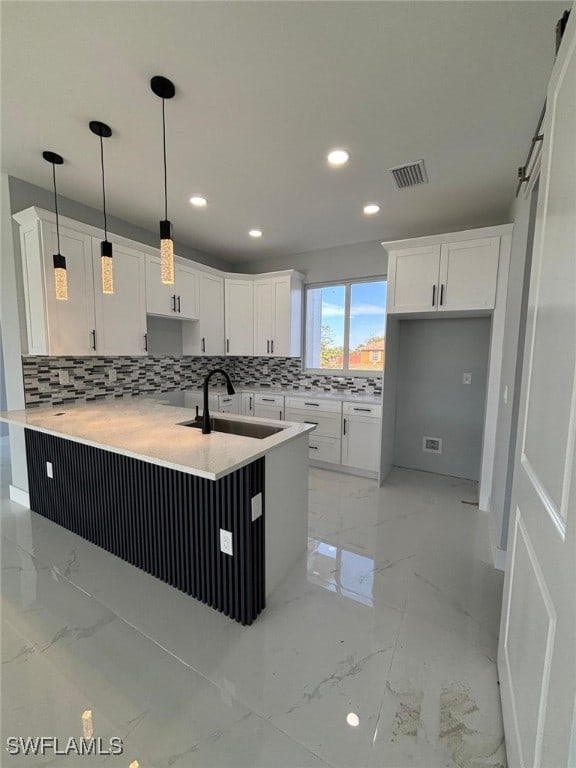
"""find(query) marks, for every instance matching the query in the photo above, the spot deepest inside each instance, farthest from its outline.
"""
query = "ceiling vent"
(410, 175)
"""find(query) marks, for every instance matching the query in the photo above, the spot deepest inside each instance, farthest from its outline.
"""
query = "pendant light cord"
(103, 188)
(56, 205)
(164, 146)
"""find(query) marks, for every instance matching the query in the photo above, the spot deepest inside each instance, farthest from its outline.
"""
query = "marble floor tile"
(378, 650)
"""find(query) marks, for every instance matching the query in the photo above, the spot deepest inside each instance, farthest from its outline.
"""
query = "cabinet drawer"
(314, 404)
(363, 409)
(269, 400)
(324, 449)
(327, 424)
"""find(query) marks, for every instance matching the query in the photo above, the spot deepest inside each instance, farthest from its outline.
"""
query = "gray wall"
(433, 401)
(514, 331)
(23, 195)
(340, 263)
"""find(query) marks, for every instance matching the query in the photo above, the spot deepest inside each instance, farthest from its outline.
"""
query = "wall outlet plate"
(49, 469)
(432, 444)
(256, 506)
(63, 376)
(226, 542)
(112, 375)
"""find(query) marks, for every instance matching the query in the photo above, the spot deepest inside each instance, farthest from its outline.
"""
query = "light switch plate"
(49, 469)
(256, 506)
(63, 376)
(226, 542)
(466, 378)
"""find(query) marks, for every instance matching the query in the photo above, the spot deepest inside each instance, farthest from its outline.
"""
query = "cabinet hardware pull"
(367, 410)
(316, 404)
(442, 294)
(203, 344)
(227, 345)
(272, 346)
(313, 447)
(227, 400)
(179, 310)
(174, 303)
(268, 346)
(268, 400)
(433, 295)
(311, 422)
(280, 417)
(93, 334)
(250, 407)
(344, 426)
(145, 342)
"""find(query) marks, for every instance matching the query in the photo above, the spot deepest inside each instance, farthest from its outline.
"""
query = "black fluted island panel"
(163, 521)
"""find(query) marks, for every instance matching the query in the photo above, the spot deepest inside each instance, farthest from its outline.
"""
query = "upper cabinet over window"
(346, 327)
(459, 275)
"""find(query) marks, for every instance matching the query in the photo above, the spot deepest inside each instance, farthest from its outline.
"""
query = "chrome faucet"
(206, 429)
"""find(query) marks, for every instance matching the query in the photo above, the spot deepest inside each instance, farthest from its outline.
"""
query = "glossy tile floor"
(378, 650)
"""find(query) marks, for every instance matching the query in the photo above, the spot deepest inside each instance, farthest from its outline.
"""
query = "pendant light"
(104, 132)
(164, 88)
(59, 261)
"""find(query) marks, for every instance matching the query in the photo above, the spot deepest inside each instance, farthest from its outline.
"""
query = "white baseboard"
(19, 496)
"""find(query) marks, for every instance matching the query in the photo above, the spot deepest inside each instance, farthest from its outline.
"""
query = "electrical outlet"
(466, 378)
(226, 542)
(112, 375)
(49, 469)
(432, 444)
(63, 376)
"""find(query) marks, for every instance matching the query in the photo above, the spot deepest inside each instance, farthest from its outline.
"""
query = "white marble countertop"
(150, 431)
(320, 394)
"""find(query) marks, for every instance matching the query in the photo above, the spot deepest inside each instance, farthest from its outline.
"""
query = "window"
(346, 326)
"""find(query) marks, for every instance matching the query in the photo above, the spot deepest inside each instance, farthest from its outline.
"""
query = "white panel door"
(160, 298)
(186, 289)
(239, 312)
(468, 274)
(70, 323)
(121, 316)
(361, 442)
(263, 302)
(269, 411)
(537, 652)
(281, 317)
(211, 314)
(413, 279)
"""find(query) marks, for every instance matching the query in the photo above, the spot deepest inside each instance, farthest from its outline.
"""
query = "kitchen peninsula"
(221, 516)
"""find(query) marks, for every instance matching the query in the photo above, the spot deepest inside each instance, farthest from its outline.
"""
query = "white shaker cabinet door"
(120, 316)
(70, 323)
(263, 308)
(160, 298)
(468, 274)
(413, 279)
(186, 290)
(361, 442)
(211, 314)
(239, 313)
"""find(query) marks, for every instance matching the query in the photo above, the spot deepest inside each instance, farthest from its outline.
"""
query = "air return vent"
(410, 175)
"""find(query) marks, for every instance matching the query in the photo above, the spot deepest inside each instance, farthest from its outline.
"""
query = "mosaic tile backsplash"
(94, 378)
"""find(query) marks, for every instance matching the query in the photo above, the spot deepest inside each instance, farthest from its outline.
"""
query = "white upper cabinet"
(453, 276)
(239, 314)
(120, 316)
(278, 315)
(206, 337)
(468, 274)
(180, 300)
(413, 279)
(56, 327)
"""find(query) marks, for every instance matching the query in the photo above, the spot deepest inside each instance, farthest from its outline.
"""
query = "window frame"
(345, 371)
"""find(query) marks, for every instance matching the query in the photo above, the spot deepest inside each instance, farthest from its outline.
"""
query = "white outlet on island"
(226, 542)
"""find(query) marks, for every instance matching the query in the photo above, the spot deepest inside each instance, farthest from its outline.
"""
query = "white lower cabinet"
(324, 449)
(247, 404)
(361, 436)
(326, 415)
(269, 406)
(229, 404)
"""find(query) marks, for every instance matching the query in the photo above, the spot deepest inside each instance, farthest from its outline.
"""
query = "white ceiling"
(264, 90)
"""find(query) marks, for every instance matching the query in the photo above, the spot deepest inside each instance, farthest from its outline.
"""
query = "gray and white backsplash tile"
(94, 378)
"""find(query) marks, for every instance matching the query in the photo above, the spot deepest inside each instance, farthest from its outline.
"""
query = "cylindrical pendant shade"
(166, 253)
(60, 277)
(107, 267)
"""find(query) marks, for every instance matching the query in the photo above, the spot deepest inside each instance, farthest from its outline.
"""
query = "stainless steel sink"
(233, 427)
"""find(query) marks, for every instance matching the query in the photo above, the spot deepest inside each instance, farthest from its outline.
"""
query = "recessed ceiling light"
(338, 157)
(353, 719)
(371, 209)
(198, 201)
(255, 233)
